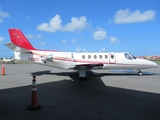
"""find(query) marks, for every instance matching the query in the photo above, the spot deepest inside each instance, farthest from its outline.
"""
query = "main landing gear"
(140, 73)
(82, 73)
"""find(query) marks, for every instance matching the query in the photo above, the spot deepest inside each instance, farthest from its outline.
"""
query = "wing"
(88, 66)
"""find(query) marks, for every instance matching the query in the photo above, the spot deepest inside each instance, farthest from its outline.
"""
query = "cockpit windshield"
(129, 56)
(134, 57)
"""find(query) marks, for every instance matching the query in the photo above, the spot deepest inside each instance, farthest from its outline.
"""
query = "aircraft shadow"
(74, 99)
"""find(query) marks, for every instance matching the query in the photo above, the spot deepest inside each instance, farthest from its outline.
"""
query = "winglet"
(18, 38)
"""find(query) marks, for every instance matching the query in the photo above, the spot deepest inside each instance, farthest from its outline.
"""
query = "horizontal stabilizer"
(16, 48)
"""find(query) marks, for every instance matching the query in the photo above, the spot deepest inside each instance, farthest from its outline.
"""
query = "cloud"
(76, 24)
(38, 36)
(103, 49)
(3, 15)
(28, 17)
(126, 16)
(113, 40)
(42, 43)
(74, 40)
(78, 49)
(55, 24)
(1, 20)
(100, 34)
(1, 39)
(63, 41)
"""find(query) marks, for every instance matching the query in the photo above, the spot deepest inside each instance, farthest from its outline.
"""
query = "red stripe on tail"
(18, 38)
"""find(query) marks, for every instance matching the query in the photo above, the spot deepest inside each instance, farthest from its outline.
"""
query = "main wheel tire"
(140, 73)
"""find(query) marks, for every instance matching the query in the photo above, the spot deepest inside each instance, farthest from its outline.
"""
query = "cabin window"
(106, 56)
(127, 56)
(100, 56)
(89, 56)
(95, 56)
(112, 56)
(83, 56)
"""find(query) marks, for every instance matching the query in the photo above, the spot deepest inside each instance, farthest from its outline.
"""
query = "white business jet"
(9, 60)
(81, 62)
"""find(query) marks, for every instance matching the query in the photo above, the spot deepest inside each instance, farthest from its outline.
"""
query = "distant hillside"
(149, 57)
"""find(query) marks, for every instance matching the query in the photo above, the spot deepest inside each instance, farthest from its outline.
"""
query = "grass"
(22, 62)
(156, 61)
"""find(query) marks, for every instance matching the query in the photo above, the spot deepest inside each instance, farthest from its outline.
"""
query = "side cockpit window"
(127, 56)
(133, 56)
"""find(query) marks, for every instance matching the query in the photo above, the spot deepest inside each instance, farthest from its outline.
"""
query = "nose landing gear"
(140, 73)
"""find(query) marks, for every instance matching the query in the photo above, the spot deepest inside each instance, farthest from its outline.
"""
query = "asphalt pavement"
(105, 95)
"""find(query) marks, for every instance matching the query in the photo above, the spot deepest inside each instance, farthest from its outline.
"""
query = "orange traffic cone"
(34, 99)
(3, 69)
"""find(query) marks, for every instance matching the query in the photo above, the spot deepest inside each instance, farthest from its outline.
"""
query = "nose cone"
(152, 64)
(148, 64)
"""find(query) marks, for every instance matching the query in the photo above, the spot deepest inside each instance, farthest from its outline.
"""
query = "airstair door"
(112, 58)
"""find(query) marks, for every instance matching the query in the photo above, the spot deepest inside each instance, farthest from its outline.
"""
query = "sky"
(84, 25)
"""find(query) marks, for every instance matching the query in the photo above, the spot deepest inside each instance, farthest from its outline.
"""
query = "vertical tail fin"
(4, 58)
(18, 38)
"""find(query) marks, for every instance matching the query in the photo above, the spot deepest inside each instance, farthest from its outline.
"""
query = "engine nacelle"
(47, 58)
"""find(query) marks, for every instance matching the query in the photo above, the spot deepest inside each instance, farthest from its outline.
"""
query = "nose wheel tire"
(140, 73)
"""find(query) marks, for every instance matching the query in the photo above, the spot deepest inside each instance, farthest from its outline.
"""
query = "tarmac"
(105, 95)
